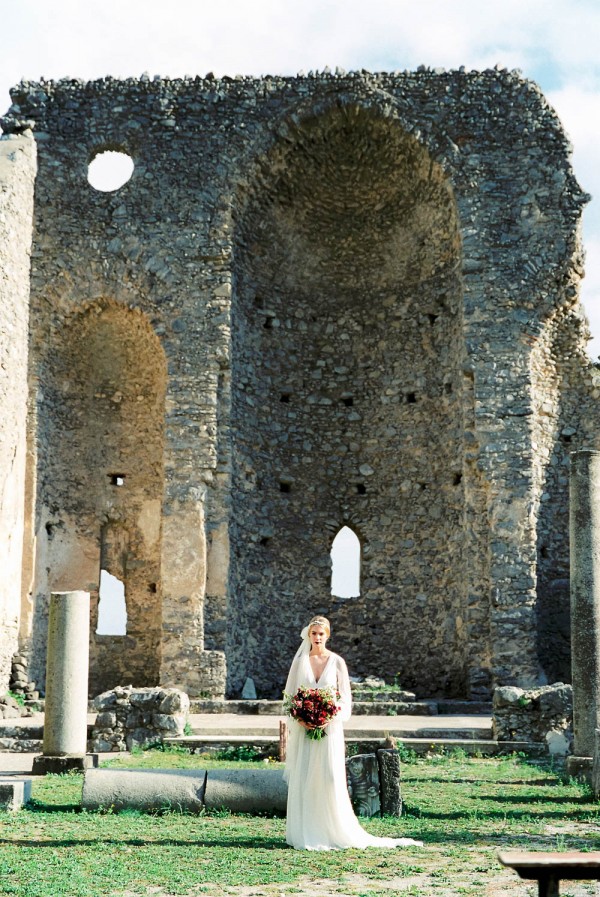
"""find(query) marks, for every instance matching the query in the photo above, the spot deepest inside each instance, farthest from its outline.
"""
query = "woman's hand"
(309, 727)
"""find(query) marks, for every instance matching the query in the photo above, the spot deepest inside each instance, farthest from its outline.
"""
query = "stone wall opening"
(109, 170)
(101, 480)
(112, 606)
(347, 288)
(345, 564)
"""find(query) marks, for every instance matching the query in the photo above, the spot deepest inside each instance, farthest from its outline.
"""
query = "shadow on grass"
(441, 780)
(541, 799)
(36, 806)
(528, 813)
(252, 843)
(495, 840)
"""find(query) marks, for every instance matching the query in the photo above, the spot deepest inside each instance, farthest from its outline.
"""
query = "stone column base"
(45, 764)
(580, 768)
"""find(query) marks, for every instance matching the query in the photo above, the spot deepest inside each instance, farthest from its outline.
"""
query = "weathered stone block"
(363, 784)
(144, 698)
(389, 782)
(174, 702)
(15, 793)
(539, 715)
(105, 700)
(166, 723)
(142, 738)
(106, 720)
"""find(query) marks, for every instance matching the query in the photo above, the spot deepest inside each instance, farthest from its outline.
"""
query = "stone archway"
(347, 342)
(100, 481)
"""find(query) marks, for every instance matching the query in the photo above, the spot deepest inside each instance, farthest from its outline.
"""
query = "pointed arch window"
(345, 564)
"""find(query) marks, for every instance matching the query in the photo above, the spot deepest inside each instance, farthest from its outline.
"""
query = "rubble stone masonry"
(324, 300)
(17, 173)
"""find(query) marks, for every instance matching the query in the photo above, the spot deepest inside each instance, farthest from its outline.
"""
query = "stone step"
(242, 707)
(21, 745)
(455, 706)
(269, 744)
(394, 708)
(385, 695)
(355, 731)
(359, 707)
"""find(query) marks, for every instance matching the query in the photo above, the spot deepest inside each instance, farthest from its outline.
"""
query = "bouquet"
(314, 706)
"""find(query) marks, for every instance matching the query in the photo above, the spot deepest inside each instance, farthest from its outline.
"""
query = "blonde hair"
(320, 621)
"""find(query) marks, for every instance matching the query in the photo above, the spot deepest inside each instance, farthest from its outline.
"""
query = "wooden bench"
(549, 868)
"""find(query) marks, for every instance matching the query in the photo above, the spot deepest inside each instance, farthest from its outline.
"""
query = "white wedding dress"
(319, 812)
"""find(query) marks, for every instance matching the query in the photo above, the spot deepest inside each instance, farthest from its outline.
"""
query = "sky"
(553, 42)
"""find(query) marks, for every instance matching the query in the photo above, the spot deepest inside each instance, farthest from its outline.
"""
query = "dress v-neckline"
(316, 681)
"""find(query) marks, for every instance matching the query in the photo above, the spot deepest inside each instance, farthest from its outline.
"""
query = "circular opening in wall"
(110, 170)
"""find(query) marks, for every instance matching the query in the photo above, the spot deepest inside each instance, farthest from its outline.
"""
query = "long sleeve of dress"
(292, 684)
(294, 730)
(343, 684)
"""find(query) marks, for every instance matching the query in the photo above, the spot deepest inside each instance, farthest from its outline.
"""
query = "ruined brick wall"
(319, 301)
(17, 173)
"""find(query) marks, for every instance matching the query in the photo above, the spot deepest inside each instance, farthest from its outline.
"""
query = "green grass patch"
(175, 757)
(463, 809)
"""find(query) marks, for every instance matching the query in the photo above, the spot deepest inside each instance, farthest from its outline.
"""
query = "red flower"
(315, 707)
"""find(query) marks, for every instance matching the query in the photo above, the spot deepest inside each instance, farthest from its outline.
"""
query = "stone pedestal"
(14, 793)
(596, 765)
(389, 782)
(585, 605)
(362, 773)
(65, 717)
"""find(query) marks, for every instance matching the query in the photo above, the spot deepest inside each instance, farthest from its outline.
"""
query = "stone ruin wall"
(112, 378)
(568, 390)
(320, 301)
(352, 303)
(17, 173)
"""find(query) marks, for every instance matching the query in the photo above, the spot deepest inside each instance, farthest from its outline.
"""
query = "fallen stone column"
(152, 790)
(147, 790)
(246, 790)
(67, 664)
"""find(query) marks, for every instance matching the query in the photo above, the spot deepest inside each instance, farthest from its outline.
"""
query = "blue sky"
(553, 42)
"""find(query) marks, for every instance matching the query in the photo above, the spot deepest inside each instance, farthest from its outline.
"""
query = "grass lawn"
(464, 809)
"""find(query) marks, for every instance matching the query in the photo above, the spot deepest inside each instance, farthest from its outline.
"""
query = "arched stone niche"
(346, 402)
(101, 480)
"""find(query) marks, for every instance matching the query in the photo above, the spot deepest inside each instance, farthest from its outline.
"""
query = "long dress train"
(319, 811)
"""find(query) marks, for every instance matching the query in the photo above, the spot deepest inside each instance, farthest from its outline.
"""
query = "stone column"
(67, 664)
(585, 605)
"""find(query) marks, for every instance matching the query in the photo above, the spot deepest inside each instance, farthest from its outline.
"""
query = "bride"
(319, 812)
